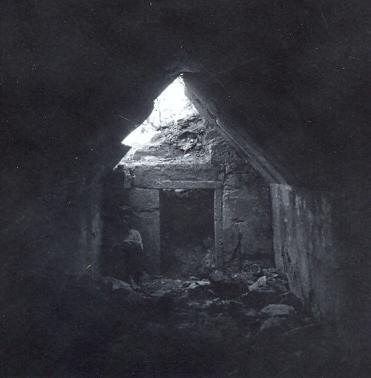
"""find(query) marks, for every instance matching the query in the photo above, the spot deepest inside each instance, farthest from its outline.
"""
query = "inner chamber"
(187, 230)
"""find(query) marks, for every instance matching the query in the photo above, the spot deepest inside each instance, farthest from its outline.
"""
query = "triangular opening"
(171, 105)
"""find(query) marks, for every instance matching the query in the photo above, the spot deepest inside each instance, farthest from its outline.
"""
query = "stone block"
(233, 182)
(148, 176)
(143, 199)
(221, 153)
(278, 310)
(245, 218)
(236, 206)
(230, 240)
(237, 166)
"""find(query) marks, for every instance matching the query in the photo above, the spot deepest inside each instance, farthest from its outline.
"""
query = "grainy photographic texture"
(229, 236)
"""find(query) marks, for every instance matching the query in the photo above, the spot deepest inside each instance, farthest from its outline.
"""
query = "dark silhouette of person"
(126, 253)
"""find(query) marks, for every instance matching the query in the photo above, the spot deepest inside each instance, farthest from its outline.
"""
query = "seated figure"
(126, 254)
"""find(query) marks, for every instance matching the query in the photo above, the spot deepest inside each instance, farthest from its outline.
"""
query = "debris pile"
(184, 138)
(225, 325)
(242, 319)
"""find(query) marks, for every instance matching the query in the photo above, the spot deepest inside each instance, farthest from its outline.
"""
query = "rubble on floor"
(228, 325)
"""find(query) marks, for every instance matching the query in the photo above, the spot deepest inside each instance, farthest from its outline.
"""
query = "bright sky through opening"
(171, 105)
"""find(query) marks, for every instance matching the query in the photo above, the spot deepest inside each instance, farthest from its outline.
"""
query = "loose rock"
(278, 310)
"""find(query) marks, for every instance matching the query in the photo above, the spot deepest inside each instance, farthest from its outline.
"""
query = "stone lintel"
(182, 184)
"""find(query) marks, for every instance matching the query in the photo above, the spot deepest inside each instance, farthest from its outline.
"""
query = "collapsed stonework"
(186, 156)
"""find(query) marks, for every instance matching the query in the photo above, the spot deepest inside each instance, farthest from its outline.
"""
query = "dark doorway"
(187, 230)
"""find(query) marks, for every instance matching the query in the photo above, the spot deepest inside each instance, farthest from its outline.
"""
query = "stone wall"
(315, 240)
(245, 225)
(247, 222)
(305, 246)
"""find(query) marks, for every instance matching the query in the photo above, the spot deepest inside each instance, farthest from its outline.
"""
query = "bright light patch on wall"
(171, 105)
(140, 136)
